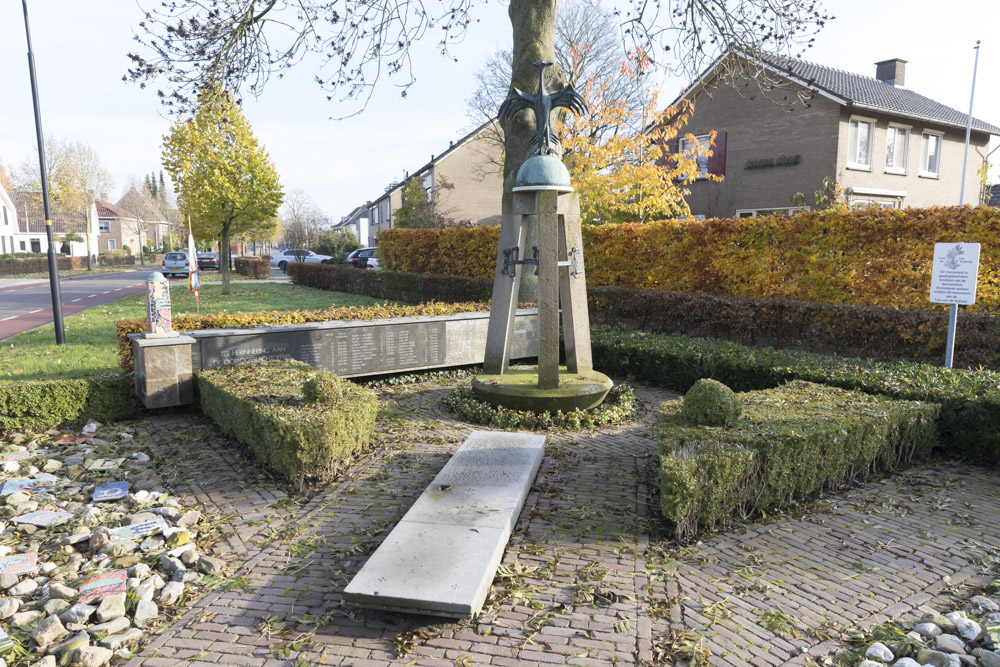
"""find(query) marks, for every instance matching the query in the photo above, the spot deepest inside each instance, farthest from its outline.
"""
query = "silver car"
(288, 256)
(176, 263)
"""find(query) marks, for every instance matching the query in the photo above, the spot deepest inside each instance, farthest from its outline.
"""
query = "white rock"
(11, 466)
(113, 606)
(25, 617)
(5, 550)
(61, 592)
(47, 567)
(145, 612)
(880, 652)
(47, 661)
(115, 642)
(9, 607)
(171, 593)
(47, 631)
(52, 465)
(26, 587)
(968, 629)
(906, 662)
(112, 627)
(77, 615)
(92, 427)
(93, 656)
(950, 644)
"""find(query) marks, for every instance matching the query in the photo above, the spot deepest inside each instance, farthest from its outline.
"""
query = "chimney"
(893, 72)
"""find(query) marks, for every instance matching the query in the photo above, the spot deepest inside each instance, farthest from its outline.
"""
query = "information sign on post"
(953, 281)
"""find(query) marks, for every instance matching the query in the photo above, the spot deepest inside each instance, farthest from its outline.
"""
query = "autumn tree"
(76, 177)
(301, 220)
(416, 209)
(225, 180)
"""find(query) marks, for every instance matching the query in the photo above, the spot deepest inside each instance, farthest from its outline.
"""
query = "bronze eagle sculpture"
(542, 103)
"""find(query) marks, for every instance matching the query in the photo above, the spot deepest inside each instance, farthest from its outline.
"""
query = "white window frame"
(111, 244)
(905, 130)
(685, 146)
(924, 172)
(852, 151)
(784, 210)
(104, 226)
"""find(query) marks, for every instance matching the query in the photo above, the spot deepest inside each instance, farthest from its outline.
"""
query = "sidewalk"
(587, 578)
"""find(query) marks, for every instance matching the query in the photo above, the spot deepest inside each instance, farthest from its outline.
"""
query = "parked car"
(373, 263)
(208, 260)
(359, 258)
(176, 263)
(289, 255)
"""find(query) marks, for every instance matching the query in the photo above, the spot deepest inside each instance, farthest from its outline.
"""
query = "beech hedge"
(256, 268)
(789, 442)
(395, 285)
(264, 407)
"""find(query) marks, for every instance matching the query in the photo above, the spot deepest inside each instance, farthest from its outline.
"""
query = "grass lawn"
(90, 336)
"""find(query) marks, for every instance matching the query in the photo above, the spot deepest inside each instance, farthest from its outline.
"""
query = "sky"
(80, 54)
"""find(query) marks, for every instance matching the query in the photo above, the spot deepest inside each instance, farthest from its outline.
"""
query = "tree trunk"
(224, 257)
(534, 27)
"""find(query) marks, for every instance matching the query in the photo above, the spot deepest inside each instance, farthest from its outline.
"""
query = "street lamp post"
(968, 127)
(57, 315)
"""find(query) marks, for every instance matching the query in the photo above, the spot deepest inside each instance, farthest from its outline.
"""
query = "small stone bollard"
(158, 313)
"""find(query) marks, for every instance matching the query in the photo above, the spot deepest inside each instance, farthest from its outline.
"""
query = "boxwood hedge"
(263, 406)
(969, 419)
(790, 441)
(37, 405)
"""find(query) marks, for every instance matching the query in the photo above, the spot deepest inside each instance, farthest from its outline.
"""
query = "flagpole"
(195, 284)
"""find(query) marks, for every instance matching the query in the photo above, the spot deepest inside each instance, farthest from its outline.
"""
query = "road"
(27, 306)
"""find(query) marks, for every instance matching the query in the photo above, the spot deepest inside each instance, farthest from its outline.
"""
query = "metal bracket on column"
(574, 261)
(510, 260)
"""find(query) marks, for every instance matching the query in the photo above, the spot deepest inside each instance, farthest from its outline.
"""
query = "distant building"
(884, 144)
(464, 183)
(25, 230)
(119, 228)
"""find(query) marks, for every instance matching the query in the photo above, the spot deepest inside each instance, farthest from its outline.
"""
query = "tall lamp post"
(968, 128)
(57, 315)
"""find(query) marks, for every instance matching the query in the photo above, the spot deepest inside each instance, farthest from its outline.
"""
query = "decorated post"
(158, 314)
(542, 194)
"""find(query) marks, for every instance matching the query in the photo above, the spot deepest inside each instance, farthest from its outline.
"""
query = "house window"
(5, 222)
(930, 154)
(754, 212)
(859, 144)
(111, 244)
(104, 225)
(896, 148)
(690, 147)
(22, 246)
(866, 203)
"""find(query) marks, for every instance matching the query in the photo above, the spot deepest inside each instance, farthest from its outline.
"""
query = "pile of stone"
(93, 548)
(963, 638)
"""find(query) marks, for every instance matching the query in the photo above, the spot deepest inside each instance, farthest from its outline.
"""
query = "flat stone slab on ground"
(441, 557)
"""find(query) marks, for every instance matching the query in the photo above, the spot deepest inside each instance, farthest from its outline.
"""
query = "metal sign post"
(953, 281)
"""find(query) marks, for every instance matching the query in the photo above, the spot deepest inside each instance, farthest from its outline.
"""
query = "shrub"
(124, 327)
(795, 440)
(969, 421)
(453, 251)
(711, 403)
(37, 405)
(409, 287)
(323, 388)
(262, 406)
(258, 268)
(21, 263)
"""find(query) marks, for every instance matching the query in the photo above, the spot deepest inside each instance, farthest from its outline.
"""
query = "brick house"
(884, 144)
(119, 227)
(464, 183)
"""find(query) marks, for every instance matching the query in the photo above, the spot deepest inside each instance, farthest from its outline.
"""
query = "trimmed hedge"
(37, 405)
(15, 266)
(116, 260)
(262, 405)
(398, 286)
(256, 268)
(857, 330)
(792, 441)
(451, 251)
(250, 320)
(969, 421)
(872, 256)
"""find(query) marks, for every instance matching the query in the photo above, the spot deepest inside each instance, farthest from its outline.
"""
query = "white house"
(28, 233)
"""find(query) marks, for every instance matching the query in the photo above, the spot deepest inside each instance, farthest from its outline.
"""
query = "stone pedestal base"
(518, 389)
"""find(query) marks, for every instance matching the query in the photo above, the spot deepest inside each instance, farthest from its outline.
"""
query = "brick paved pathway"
(588, 578)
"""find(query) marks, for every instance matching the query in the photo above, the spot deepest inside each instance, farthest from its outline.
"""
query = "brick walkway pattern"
(588, 578)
